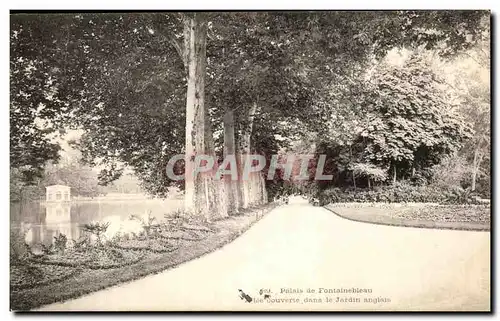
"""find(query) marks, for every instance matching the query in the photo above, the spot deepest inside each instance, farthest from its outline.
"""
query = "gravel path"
(298, 247)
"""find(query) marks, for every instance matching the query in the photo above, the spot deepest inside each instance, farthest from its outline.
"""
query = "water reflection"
(42, 221)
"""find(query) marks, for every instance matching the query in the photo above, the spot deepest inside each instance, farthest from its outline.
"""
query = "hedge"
(397, 193)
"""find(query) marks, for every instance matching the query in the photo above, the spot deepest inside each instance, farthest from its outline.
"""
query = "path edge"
(477, 227)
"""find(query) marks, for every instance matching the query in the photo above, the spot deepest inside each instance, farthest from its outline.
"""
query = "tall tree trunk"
(245, 140)
(394, 175)
(474, 171)
(476, 165)
(202, 192)
(232, 186)
(195, 81)
(239, 167)
(263, 190)
(352, 161)
(252, 188)
(214, 194)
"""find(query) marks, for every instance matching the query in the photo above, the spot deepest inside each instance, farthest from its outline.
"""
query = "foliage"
(81, 244)
(449, 213)
(45, 69)
(81, 178)
(399, 119)
(142, 88)
(147, 223)
(20, 189)
(471, 83)
(28, 276)
(155, 245)
(121, 79)
(31, 113)
(60, 242)
(459, 195)
(97, 229)
(398, 193)
(411, 124)
(369, 170)
(451, 171)
(19, 250)
(127, 183)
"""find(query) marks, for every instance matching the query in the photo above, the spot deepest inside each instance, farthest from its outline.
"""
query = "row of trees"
(147, 86)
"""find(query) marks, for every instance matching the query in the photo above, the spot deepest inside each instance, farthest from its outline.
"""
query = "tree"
(413, 125)
(354, 38)
(42, 76)
(468, 81)
(473, 91)
(370, 171)
(397, 118)
(133, 105)
(202, 192)
(269, 70)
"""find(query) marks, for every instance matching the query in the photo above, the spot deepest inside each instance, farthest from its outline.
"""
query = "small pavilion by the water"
(58, 193)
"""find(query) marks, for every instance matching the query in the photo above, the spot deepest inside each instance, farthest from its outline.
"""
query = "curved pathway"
(298, 246)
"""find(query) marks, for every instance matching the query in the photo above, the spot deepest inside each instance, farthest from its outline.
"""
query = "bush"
(19, 250)
(462, 196)
(60, 242)
(401, 192)
(148, 223)
(451, 172)
(97, 229)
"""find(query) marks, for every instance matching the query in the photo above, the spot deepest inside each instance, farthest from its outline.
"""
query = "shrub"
(60, 242)
(148, 223)
(19, 250)
(401, 192)
(451, 172)
(370, 171)
(459, 195)
(96, 229)
(81, 244)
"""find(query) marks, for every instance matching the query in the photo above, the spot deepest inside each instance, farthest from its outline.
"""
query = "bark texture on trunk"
(476, 165)
(252, 189)
(202, 192)
(474, 171)
(244, 148)
(232, 186)
(195, 81)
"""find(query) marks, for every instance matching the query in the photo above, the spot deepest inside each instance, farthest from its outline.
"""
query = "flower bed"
(200, 228)
(70, 258)
(179, 235)
(479, 213)
(93, 258)
(457, 217)
(153, 245)
(187, 233)
(400, 192)
(110, 258)
(30, 275)
(103, 274)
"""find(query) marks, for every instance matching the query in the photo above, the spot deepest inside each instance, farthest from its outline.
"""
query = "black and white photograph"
(259, 160)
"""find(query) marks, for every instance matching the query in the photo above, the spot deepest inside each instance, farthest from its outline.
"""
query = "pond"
(42, 221)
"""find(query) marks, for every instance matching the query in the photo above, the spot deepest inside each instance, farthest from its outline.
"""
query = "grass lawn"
(456, 217)
(77, 281)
